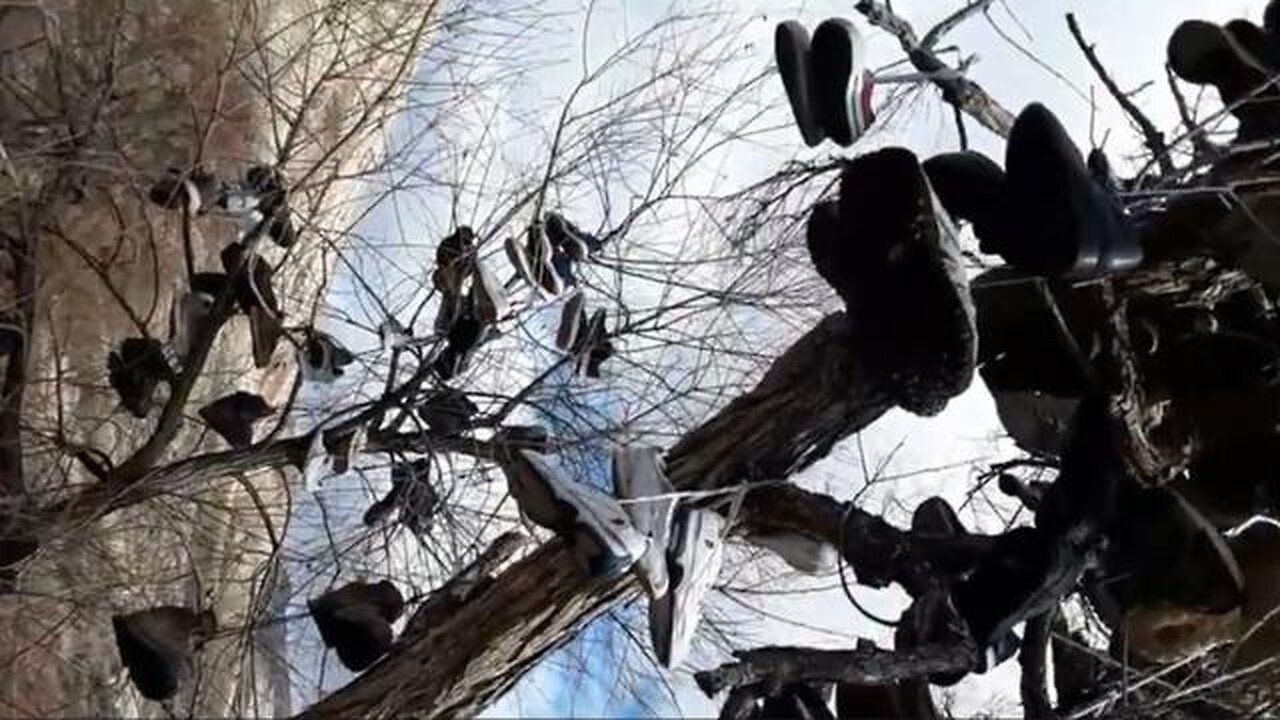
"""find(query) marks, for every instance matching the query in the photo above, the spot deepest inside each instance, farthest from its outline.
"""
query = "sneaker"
(1271, 18)
(828, 240)
(693, 562)
(905, 279)
(232, 417)
(156, 646)
(791, 51)
(135, 370)
(972, 187)
(322, 358)
(519, 259)
(1062, 222)
(355, 620)
(638, 474)
(488, 296)
(573, 320)
(601, 539)
(567, 237)
(842, 86)
(540, 251)
(1237, 60)
(453, 256)
(447, 411)
(465, 336)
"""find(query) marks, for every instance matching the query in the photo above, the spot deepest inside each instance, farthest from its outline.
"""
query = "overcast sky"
(1129, 36)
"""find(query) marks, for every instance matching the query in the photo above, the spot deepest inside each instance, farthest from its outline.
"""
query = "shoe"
(841, 85)
(528, 437)
(1271, 18)
(1062, 224)
(253, 284)
(573, 320)
(198, 191)
(488, 296)
(355, 620)
(135, 370)
(233, 416)
(464, 337)
(806, 554)
(1237, 60)
(265, 331)
(563, 265)
(791, 51)
(392, 335)
(566, 236)
(519, 259)
(540, 251)
(828, 241)
(972, 187)
(453, 260)
(693, 563)
(904, 261)
(157, 645)
(447, 411)
(601, 539)
(322, 358)
(640, 474)
(345, 448)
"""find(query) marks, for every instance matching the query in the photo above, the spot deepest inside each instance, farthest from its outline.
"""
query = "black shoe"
(902, 273)
(156, 646)
(568, 238)
(355, 620)
(792, 53)
(1061, 227)
(234, 416)
(135, 370)
(447, 411)
(1237, 60)
(842, 85)
(972, 187)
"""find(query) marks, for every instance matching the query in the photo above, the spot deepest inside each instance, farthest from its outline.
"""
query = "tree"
(366, 107)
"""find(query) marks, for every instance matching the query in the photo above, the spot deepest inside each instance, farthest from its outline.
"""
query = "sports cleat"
(355, 620)
(601, 539)
(573, 320)
(807, 554)
(639, 474)
(156, 646)
(842, 86)
(693, 562)
(791, 52)
(233, 416)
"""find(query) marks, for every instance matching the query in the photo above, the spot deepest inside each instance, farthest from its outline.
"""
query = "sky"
(1023, 54)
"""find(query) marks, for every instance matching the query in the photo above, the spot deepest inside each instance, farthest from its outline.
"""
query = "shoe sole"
(840, 87)
(906, 259)
(791, 52)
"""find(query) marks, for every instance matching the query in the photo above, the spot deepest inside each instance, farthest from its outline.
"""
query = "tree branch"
(1035, 647)
(865, 666)
(1152, 138)
(957, 89)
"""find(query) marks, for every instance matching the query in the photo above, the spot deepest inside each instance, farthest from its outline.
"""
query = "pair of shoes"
(891, 252)
(1239, 59)
(587, 340)
(1045, 213)
(827, 85)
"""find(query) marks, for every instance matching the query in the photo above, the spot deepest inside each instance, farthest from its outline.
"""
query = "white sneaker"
(693, 561)
(599, 534)
(640, 474)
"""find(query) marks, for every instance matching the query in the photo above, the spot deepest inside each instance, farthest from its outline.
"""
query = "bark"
(1035, 648)
(815, 394)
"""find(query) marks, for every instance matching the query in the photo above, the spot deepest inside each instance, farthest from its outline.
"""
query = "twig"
(1152, 137)
(1203, 148)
